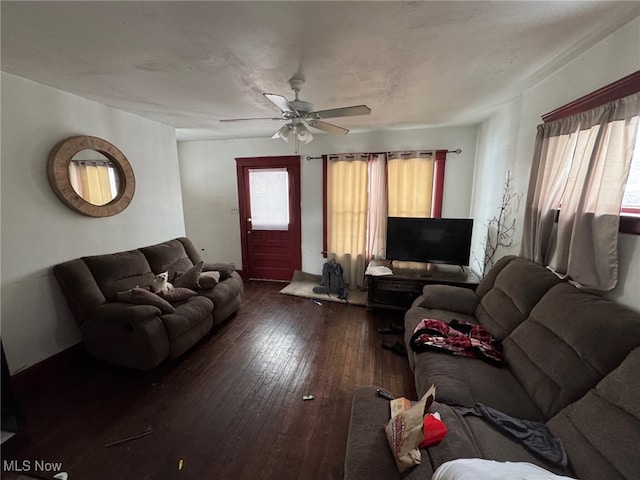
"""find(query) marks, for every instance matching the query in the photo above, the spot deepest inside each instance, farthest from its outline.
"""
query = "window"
(582, 161)
(630, 211)
(269, 198)
(631, 199)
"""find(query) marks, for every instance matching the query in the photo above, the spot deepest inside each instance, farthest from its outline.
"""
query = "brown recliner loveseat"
(141, 335)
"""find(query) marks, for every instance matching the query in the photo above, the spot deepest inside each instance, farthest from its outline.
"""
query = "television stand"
(399, 290)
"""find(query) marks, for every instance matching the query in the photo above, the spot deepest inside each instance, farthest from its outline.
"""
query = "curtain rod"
(457, 152)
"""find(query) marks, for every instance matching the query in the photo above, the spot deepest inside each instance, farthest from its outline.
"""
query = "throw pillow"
(140, 296)
(177, 294)
(209, 279)
(189, 279)
(404, 432)
(225, 269)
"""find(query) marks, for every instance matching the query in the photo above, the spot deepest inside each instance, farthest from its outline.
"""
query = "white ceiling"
(190, 64)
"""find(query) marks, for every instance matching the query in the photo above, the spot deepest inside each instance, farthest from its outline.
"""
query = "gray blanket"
(534, 436)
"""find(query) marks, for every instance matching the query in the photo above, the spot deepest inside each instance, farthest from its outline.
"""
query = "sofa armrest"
(125, 313)
(368, 455)
(448, 297)
(127, 334)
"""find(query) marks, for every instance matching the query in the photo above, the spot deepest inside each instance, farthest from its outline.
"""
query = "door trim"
(290, 162)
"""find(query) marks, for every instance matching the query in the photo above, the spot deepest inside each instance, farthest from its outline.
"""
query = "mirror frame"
(58, 172)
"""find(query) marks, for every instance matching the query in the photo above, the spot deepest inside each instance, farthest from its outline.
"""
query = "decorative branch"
(500, 229)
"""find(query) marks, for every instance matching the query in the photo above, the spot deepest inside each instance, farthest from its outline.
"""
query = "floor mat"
(302, 286)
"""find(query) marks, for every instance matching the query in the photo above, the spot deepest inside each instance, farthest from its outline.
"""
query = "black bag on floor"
(332, 280)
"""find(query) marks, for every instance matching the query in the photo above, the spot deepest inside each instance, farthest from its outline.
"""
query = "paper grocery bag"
(404, 432)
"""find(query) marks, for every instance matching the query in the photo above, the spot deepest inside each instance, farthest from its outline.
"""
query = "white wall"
(38, 230)
(210, 194)
(495, 153)
(507, 138)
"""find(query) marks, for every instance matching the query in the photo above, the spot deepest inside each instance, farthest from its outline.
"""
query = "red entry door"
(269, 207)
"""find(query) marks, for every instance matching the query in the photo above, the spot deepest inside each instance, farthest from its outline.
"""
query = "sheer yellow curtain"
(410, 183)
(347, 214)
(92, 182)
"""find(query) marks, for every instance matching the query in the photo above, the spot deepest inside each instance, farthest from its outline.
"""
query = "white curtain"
(377, 208)
(581, 165)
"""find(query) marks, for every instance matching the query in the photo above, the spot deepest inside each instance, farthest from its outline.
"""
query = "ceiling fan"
(300, 115)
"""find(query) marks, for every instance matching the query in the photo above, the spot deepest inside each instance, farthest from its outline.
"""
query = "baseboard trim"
(33, 375)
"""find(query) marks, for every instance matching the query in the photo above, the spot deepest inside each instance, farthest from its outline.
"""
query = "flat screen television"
(430, 240)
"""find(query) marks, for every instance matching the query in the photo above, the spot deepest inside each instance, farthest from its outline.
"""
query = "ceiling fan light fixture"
(284, 132)
(304, 135)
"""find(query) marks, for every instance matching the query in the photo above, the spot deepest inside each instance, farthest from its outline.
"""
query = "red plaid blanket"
(458, 338)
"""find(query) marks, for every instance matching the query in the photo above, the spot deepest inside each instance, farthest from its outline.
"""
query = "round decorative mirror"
(91, 176)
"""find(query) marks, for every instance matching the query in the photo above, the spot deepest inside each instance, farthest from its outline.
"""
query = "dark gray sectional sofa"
(143, 335)
(572, 361)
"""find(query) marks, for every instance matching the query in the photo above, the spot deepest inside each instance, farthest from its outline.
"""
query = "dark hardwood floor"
(231, 408)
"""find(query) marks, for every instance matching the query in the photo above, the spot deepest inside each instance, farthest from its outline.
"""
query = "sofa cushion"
(167, 256)
(140, 296)
(178, 294)
(117, 272)
(415, 314)
(601, 431)
(208, 279)
(190, 278)
(571, 340)
(516, 290)
(186, 316)
(143, 345)
(225, 269)
(368, 454)
(79, 287)
(190, 248)
(448, 297)
(489, 278)
(465, 381)
(473, 437)
(223, 291)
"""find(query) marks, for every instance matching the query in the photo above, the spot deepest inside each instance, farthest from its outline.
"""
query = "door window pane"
(269, 194)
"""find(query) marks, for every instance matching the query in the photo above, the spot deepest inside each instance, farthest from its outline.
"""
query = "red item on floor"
(433, 429)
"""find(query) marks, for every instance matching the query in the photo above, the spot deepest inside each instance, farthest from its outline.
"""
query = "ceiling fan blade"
(280, 102)
(328, 127)
(246, 119)
(341, 112)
